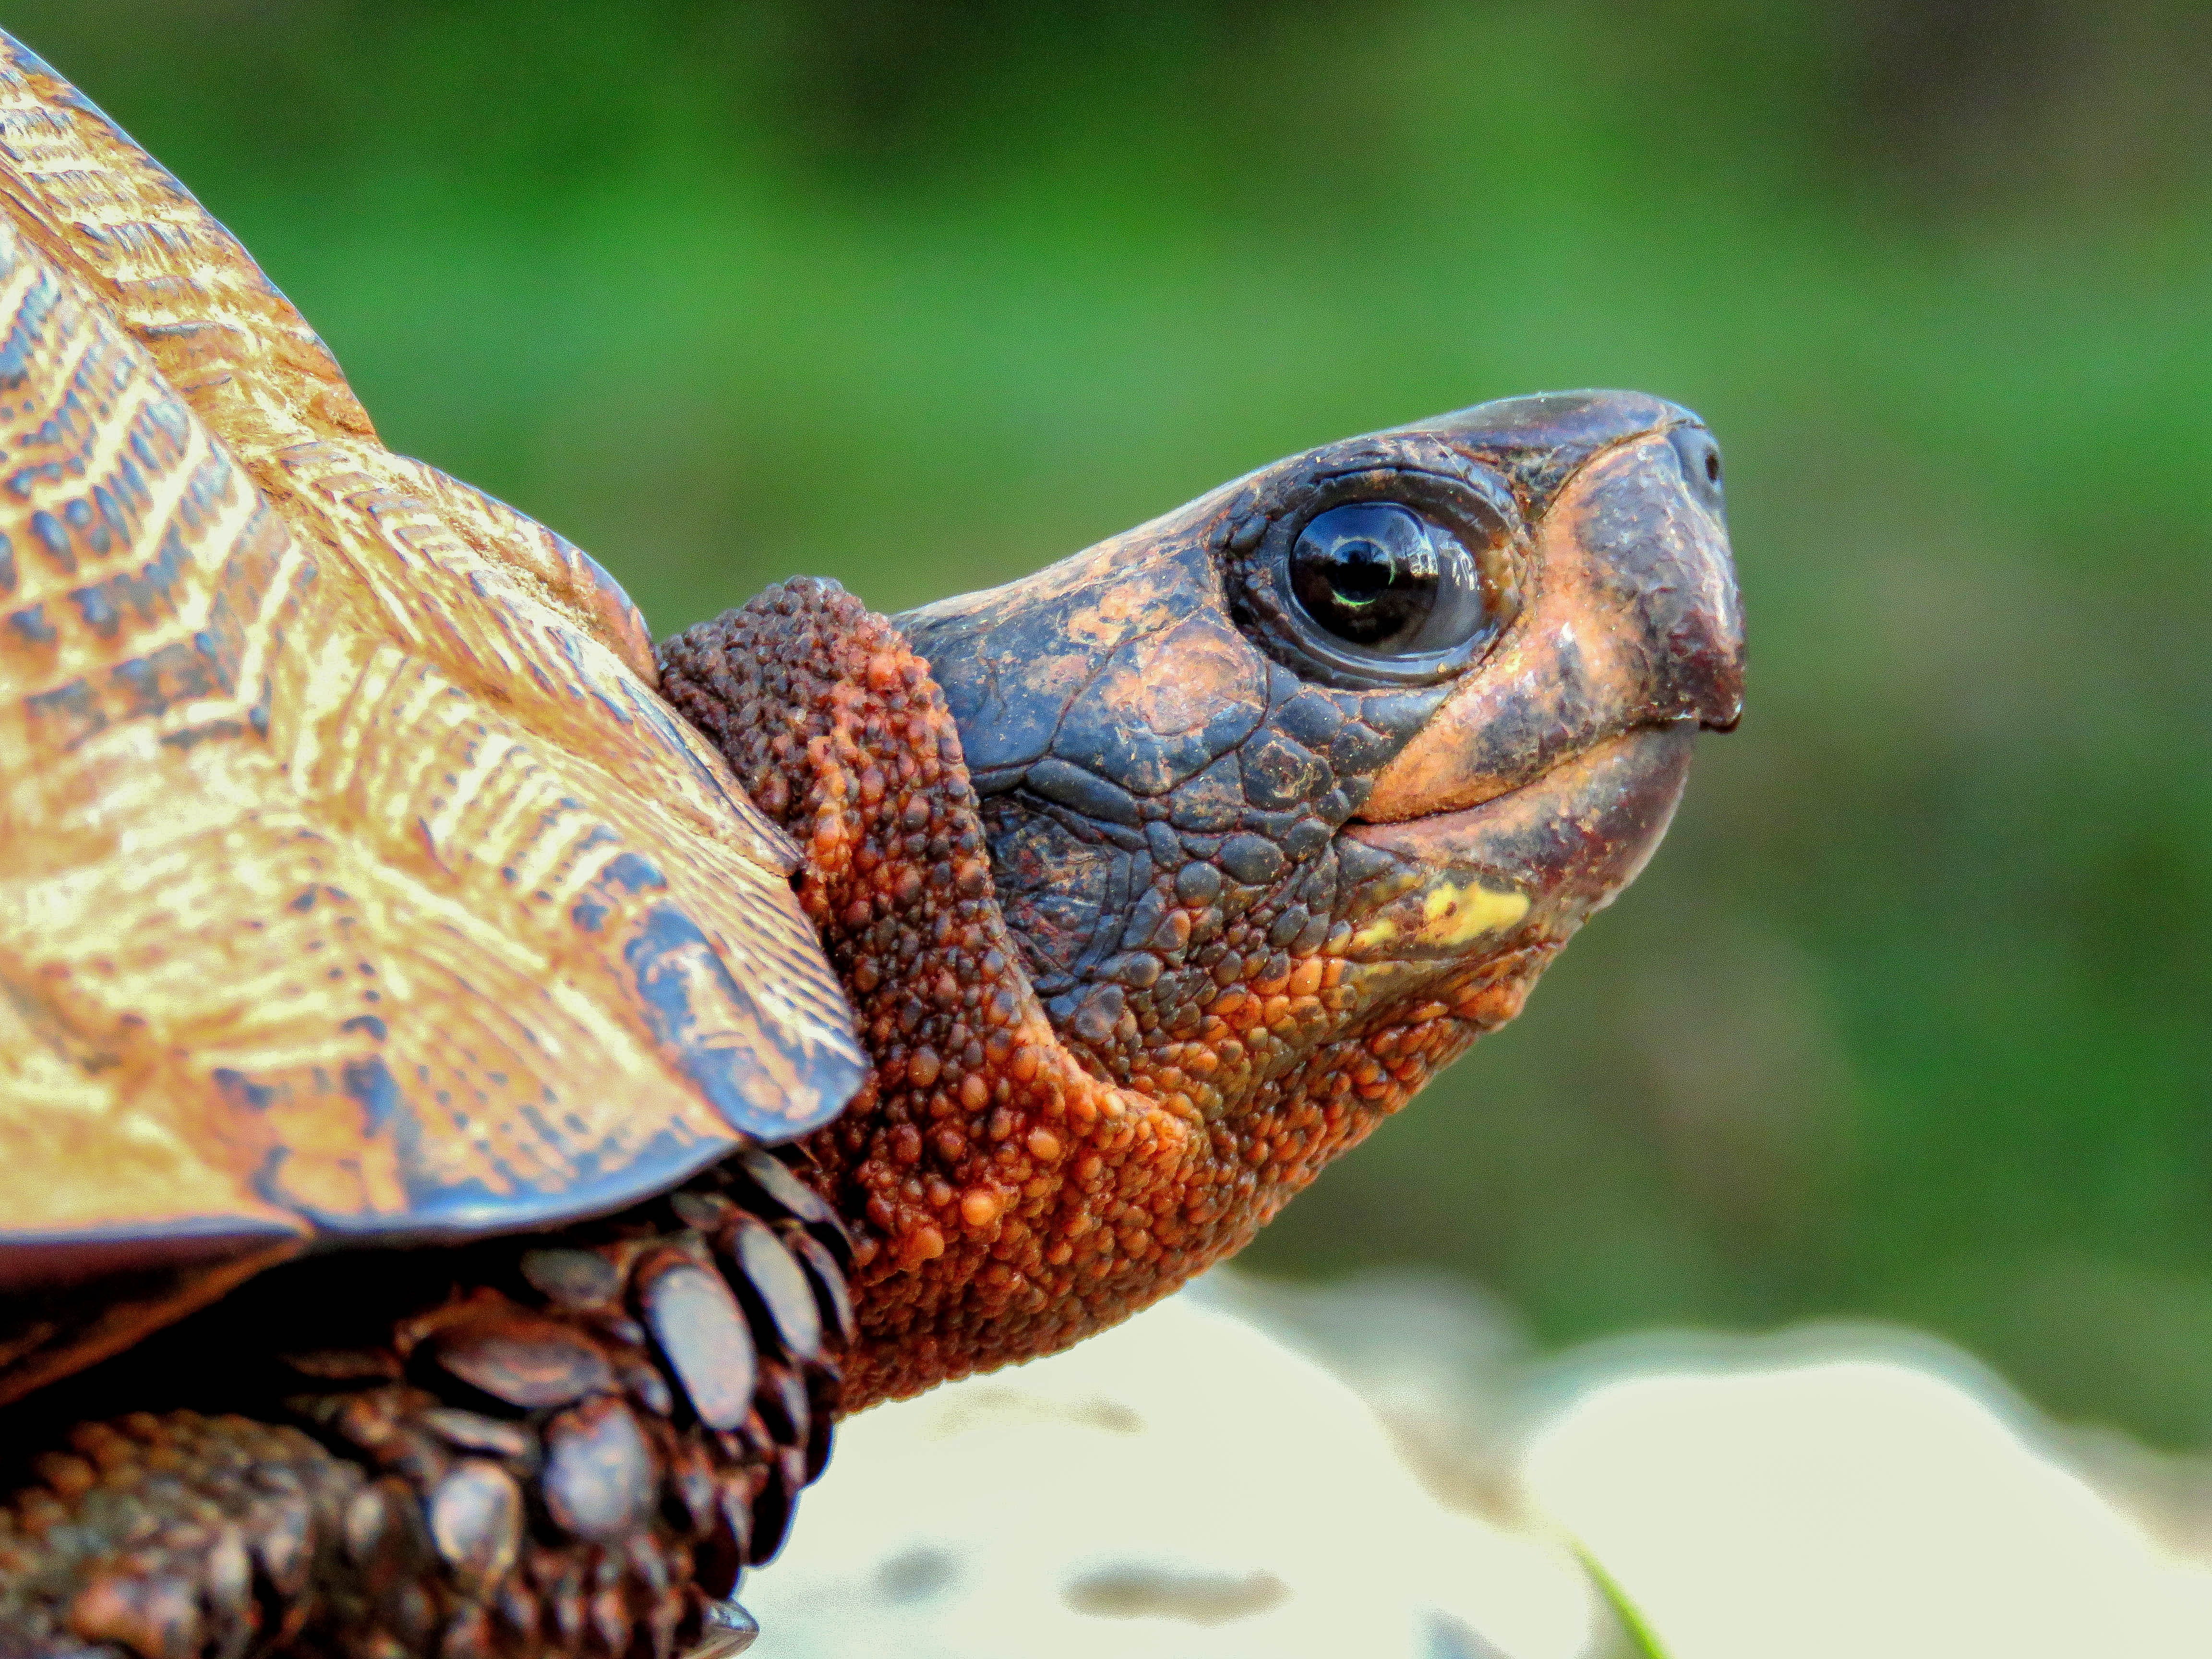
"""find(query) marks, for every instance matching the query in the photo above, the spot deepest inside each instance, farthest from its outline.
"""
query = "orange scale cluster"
(1009, 1199)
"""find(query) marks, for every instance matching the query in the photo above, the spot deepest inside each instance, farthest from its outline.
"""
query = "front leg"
(573, 1446)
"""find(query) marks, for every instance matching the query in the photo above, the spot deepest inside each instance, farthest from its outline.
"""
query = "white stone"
(1898, 1503)
(1192, 1486)
(1183, 1487)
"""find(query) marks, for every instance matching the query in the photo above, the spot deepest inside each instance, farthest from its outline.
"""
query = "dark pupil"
(1367, 573)
(1363, 572)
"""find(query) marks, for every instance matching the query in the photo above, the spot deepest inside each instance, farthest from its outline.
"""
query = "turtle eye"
(1381, 578)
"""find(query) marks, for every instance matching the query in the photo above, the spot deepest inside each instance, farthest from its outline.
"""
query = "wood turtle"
(479, 1094)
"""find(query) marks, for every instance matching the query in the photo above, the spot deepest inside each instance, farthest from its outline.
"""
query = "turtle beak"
(1544, 782)
(1633, 623)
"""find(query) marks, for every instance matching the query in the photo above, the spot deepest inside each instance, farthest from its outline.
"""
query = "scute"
(355, 884)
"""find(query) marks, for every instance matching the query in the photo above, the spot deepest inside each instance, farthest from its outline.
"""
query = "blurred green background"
(1912, 1018)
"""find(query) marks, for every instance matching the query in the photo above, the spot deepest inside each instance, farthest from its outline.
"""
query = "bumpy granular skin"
(527, 1448)
(1015, 1188)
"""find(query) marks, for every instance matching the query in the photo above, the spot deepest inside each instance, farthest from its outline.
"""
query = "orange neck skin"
(1008, 1199)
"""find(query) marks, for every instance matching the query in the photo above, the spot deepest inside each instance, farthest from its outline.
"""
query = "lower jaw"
(1532, 863)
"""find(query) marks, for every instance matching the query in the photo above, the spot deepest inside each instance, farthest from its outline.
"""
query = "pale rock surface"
(1381, 1469)
(1184, 1486)
(1770, 1497)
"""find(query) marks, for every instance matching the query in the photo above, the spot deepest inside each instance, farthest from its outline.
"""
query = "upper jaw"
(1633, 621)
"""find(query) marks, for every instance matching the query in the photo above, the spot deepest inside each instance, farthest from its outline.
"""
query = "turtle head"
(1296, 789)
(1158, 878)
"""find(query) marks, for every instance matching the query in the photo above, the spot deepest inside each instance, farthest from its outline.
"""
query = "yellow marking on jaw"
(1452, 915)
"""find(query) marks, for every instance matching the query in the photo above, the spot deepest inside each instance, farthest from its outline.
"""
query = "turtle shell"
(355, 885)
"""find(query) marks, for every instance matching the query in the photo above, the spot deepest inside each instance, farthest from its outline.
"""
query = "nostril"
(1700, 459)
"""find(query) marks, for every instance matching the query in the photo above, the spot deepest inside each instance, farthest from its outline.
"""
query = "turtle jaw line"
(1557, 776)
(1528, 862)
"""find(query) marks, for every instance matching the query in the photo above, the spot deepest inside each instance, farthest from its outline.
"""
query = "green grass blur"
(1913, 1017)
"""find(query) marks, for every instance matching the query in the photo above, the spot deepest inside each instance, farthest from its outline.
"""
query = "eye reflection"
(1380, 577)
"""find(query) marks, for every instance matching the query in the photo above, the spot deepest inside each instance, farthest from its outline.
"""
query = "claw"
(730, 1630)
